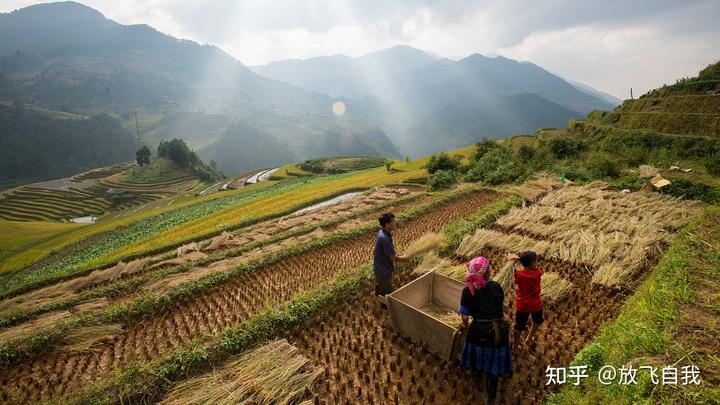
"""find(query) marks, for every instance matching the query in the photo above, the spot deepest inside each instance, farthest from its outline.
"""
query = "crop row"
(215, 304)
(261, 239)
(89, 258)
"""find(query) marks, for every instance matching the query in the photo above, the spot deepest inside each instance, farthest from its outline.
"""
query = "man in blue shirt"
(384, 255)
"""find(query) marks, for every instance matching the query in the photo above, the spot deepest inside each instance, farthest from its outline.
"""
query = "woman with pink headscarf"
(487, 349)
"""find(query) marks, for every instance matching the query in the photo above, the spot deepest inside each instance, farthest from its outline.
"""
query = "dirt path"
(59, 372)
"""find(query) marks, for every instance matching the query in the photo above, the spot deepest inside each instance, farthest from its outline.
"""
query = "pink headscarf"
(475, 277)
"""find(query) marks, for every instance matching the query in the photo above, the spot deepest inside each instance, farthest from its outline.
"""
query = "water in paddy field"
(261, 176)
(84, 220)
(327, 203)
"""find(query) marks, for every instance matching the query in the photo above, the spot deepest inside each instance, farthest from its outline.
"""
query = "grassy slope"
(21, 236)
(671, 320)
(159, 170)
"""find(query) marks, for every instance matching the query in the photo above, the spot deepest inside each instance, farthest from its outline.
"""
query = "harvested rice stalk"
(647, 171)
(91, 305)
(504, 276)
(24, 330)
(424, 244)
(442, 314)
(553, 287)
(612, 274)
(89, 338)
(431, 262)
(219, 241)
(275, 373)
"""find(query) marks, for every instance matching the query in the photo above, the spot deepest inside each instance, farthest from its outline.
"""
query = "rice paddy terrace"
(87, 194)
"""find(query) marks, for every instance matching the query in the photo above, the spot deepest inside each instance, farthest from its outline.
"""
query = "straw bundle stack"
(272, 374)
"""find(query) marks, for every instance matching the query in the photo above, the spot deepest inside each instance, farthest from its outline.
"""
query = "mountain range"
(68, 58)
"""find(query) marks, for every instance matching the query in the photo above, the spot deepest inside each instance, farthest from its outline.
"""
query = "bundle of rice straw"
(504, 277)
(553, 287)
(89, 338)
(219, 241)
(431, 262)
(275, 373)
(182, 250)
(424, 244)
(43, 323)
(647, 171)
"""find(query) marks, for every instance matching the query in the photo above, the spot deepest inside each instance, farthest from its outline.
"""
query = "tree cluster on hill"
(34, 145)
(178, 152)
(142, 156)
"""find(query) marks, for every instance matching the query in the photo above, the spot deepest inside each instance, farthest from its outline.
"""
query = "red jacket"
(527, 298)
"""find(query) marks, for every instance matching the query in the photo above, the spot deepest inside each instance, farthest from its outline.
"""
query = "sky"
(611, 45)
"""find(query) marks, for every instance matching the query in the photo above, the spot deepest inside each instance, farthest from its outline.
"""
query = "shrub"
(525, 153)
(691, 190)
(565, 147)
(496, 167)
(711, 72)
(571, 171)
(442, 179)
(713, 165)
(484, 146)
(442, 161)
(603, 166)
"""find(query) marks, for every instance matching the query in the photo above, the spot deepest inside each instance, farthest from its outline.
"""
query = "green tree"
(526, 153)
(442, 161)
(142, 156)
(442, 179)
(484, 146)
(388, 164)
(565, 147)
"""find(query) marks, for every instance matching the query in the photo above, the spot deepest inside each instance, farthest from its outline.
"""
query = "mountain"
(343, 76)
(69, 57)
(39, 145)
(596, 93)
(399, 88)
(459, 124)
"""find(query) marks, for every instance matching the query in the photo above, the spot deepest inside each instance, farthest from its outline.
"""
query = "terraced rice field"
(87, 195)
(59, 371)
(217, 254)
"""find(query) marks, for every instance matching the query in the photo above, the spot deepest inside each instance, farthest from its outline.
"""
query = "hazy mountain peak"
(400, 50)
(65, 11)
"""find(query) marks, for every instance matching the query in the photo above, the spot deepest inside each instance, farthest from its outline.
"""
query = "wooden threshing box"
(410, 315)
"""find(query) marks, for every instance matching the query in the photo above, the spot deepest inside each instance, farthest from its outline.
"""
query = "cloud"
(611, 44)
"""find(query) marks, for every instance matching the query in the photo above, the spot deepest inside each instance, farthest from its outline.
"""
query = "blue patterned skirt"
(493, 360)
